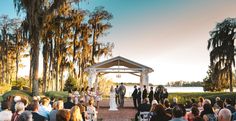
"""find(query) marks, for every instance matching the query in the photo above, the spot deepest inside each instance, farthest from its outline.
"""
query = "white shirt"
(5, 115)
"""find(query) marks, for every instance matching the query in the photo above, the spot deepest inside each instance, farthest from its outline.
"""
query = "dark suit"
(231, 108)
(144, 107)
(68, 105)
(144, 93)
(37, 117)
(139, 97)
(150, 96)
(135, 97)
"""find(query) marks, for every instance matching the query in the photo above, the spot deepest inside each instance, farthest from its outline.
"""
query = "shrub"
(20, 93)
(70, 84)
(105, 86)
(19, 84)
(57, 94)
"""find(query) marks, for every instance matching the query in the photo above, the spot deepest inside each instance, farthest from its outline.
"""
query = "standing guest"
(135, 96)
(92, 94)
(59, 106)
(26, 116)
(228, 105)
(43, 108)
(177, 114)
(76, 97)
(164, 94)
(157, 94)
(224, 115)
(160, 114)
(86, 94)
(91, 110)
(144, 92)
(151, 94)
(139, 96)
(207, 114)
(75, 114)
(19, 108)
(35, 108)
(117, 95)
(98, 96)
(122, 91)
(216, 106)
(68, 104)
(63, 115)
(5, 114)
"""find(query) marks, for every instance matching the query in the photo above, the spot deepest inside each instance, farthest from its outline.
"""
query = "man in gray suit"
(122, 91)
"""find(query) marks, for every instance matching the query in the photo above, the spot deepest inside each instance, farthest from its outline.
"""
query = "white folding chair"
(144, 116)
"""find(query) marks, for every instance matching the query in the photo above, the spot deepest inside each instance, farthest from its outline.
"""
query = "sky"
(169, 36)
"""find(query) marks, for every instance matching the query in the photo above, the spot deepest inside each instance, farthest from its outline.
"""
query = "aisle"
(125, 114)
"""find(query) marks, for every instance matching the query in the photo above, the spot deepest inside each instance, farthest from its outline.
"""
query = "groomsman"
(117, 95)
(135, 96)
(139, 96)
(144, 92)
(150, 96)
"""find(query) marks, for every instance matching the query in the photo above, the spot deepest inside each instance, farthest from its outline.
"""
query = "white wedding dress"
(112, 104)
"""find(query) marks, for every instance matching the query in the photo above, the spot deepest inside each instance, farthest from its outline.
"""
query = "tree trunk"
(17, 58)
(94, 45)
(35, 63)
(231, 81)
(45, 66)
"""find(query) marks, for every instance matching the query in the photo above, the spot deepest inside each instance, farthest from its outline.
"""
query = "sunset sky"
(169, 36)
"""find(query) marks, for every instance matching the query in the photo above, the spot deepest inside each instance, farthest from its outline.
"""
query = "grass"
(183, 97)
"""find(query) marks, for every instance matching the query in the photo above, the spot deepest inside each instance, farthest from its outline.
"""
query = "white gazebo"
(118, 65)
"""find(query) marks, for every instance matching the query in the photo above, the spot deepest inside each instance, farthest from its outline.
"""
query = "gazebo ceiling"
(120, 61)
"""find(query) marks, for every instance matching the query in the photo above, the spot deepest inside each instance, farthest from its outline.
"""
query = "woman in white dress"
(113, 106)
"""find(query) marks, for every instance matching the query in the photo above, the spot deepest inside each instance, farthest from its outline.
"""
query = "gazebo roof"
(120, 61)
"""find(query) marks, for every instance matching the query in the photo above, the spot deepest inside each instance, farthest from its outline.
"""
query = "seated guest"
(184, 111)
(224, 115)
(5, 114)
(198, 118)
(167, 106)
(35, 108)
(19, 108)
(194, 113)
(216, 106)
(63, 115)
(144, 107)
(43, 108)
(175, 101)
(25, 116)
(207, 114)
(59, 106)
(75, 114)
(177, 114)
(228, 105)
(160, 114)
(68, 104)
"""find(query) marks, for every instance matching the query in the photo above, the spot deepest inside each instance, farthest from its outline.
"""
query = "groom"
(122, 91)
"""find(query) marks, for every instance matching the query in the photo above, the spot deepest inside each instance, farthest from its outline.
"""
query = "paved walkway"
(123, 114)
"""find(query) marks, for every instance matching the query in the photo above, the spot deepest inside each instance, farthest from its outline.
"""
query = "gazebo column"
(144, 79)
(91, 77)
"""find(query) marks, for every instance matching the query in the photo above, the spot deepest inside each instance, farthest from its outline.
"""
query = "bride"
(113, 106)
